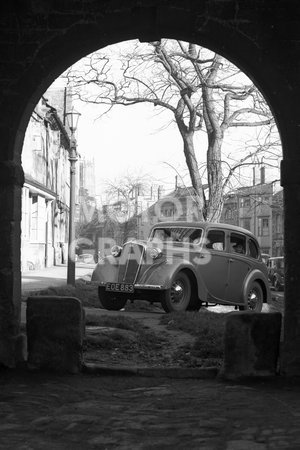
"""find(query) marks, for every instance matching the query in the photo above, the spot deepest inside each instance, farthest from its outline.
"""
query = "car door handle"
(230, 260)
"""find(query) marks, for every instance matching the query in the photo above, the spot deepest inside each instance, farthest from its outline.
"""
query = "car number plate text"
(120, 287)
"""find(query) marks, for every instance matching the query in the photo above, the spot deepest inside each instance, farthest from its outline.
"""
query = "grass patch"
(124, 323)
(142, 305)
(139, 339)
(207, 327)
(85, 291)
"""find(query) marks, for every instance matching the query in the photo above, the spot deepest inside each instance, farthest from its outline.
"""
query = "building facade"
(178, 205)
(46, 191)
(277, 224)
(258, 209)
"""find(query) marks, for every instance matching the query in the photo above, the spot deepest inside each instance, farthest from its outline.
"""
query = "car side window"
(253, 249)
(237, 243)
(195, 236)
(216, 240)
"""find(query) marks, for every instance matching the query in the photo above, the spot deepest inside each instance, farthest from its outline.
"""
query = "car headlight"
(116, 250)
(155, 253)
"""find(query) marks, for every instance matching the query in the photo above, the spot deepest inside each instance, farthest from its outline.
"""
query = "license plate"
(120, 287)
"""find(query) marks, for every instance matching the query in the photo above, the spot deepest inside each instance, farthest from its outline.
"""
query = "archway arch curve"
(80, 39)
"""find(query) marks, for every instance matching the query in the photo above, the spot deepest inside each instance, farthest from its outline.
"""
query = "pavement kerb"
(166, 372)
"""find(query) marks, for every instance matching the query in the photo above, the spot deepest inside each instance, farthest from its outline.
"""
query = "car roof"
(204, 225)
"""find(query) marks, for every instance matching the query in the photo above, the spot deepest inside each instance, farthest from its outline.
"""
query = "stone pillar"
(290, 180)
(251, 344)
(11, 342)
(55, 329)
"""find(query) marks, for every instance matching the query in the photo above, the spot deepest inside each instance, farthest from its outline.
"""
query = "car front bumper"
(149, 292)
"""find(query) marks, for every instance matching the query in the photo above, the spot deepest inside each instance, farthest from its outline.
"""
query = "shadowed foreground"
(44, 411)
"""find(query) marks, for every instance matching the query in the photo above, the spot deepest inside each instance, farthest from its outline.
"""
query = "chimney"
(262, 175)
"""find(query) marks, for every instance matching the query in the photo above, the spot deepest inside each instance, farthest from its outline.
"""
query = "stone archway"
(42, 38)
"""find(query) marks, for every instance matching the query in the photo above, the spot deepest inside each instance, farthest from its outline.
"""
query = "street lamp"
(72, 118)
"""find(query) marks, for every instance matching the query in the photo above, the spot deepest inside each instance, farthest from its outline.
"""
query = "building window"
(34, 219)
(228, 214)
(26, 201)
(245, 202)
(263, 226)
(278, 224)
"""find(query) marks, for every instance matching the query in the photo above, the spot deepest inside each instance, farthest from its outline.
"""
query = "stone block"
(55, 328)
(251, 344)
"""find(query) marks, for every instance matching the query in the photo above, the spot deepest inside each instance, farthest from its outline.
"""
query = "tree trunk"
(192, 165)
(214, 175)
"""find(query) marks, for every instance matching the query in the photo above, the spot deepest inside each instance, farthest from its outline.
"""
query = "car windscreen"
(174, 234)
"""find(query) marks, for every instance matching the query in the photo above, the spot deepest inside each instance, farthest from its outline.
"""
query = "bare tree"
(202, 92)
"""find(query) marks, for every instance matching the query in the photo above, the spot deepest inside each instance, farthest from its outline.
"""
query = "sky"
(130, 140)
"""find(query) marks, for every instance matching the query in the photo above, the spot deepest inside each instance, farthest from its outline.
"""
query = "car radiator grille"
(130, 262)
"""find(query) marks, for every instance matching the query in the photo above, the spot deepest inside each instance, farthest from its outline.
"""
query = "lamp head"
(72, 118)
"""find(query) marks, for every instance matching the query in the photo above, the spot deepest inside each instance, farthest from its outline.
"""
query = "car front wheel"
(178, 297)
(254, 298)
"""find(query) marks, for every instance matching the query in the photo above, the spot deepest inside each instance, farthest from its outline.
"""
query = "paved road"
(277, 301)
(52, 276)
(79, 412)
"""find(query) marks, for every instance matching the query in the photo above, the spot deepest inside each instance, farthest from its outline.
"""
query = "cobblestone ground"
(42, 411)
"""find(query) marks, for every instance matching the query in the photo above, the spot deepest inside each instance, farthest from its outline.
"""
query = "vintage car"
(275, 267)
(183, 265)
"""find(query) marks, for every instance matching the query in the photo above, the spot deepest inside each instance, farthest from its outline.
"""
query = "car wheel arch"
(257, 276)
(263, 287)
(192, 277)
(196, 281)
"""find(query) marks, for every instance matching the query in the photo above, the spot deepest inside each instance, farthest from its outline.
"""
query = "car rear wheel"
(195, 304)
(178, 297)
(254, 298)
(112, 303)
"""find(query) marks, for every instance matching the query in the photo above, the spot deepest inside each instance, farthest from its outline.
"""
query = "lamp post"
(72, 118)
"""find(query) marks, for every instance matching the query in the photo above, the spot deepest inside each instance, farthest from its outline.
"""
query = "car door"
(212, 264)
(238, 266)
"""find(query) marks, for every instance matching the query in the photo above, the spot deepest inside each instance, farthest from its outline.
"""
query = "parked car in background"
(183, 265)
(265, 257)
(275, 267)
